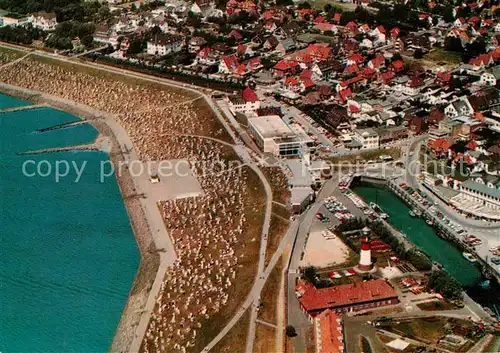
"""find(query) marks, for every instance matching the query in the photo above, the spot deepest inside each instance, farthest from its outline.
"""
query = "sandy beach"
(213, 240)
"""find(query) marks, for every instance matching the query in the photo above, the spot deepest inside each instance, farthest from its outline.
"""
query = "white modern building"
(367, 138)
(274, 136)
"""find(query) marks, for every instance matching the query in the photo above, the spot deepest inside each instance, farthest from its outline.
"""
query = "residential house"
(165, 44)
(490, 77)
(270, 43)
(247, 103)
(458, 107)
(397, 66)
(328, 333)
(228, 64)
(285, 46)
(285, 68)
(43, 20)
(207, 56)
(196, 43)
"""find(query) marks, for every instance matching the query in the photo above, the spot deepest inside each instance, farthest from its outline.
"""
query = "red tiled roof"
(368, 72)
(324, 26)
(254, 62)
(484, 59)
(395, 32)
(354, 108)
(416, 81)
(377, 61)
(268, 14)
(234, 33)
(319, 19)
(351, 81)
(308, 83)
(475, 20)
(241, 70)
(398, 64)
(337, 17)
(381, 29)
(330, 327)
(319, 51)
(249, 95)
(472, 145)
(230, 61)
(205, 52)
(284, 65)
(351, 69)
(305, 74)
(357, 58)
(345, 94)
(387, 76)
(352, 26)
(291, 81)
(444, 76)
(345, 295)
(242, 48)
(439, 145)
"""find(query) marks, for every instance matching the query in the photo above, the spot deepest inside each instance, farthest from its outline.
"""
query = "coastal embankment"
(149, 269)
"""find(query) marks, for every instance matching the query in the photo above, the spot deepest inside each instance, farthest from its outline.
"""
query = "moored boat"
(469, 257)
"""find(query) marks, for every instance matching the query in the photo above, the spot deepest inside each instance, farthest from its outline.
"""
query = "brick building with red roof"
(328, 336)
(347, 297)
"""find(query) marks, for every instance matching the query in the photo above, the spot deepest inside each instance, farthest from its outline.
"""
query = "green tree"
(135, 47)
(87, 41)
(290, 331)
(304, 5)
(418, 54)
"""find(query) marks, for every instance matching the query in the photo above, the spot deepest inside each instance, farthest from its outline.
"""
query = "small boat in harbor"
(379, 210)
(415, 213)
(469, 257)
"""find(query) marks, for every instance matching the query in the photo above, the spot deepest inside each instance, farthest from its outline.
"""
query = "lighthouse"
(365, 258)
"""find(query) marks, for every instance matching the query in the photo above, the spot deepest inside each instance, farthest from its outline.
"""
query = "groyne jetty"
(89, 147)
(24, 107)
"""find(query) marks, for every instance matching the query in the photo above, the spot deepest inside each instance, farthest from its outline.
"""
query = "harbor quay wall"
(447, 232)
(150, 257)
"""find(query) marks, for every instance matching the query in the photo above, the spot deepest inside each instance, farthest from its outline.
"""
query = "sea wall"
(150, 259)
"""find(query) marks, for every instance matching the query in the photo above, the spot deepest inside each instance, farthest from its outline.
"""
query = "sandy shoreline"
(150, 258)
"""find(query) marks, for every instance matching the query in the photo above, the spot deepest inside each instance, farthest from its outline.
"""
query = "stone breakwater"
(150, 259)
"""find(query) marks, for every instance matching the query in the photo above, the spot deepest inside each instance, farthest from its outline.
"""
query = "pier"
(88, 147)
(26, 107)
(63, 126)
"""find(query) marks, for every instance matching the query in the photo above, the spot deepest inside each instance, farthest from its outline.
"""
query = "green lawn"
(441, 55)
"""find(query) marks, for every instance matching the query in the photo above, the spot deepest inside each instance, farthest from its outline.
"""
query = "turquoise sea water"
(67, 252)
(11, 102)
(426, 239)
